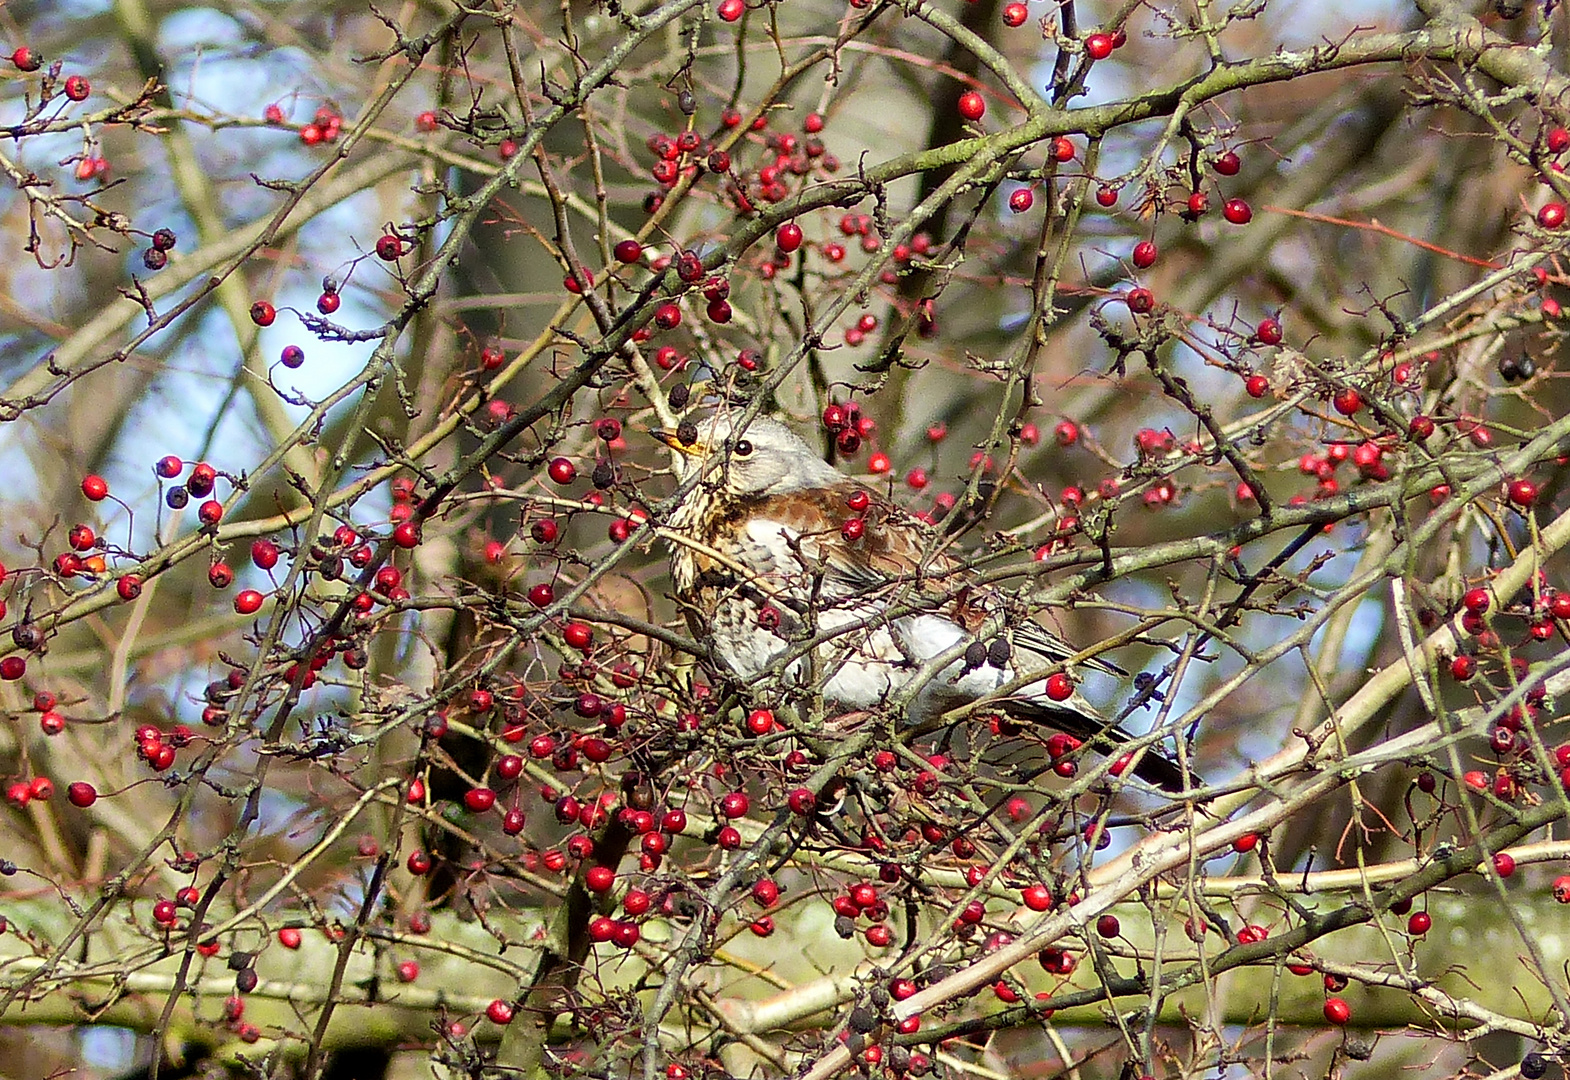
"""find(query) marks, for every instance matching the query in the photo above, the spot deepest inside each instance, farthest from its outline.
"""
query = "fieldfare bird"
(788, 568)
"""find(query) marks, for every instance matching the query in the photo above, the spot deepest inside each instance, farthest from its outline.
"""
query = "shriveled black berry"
(176, 497)
(975, 655)
(154, 259)
(679, 395)
(844, 927)
(861, 1019)
(998, 653)
(686, 432)
(1533, 1066)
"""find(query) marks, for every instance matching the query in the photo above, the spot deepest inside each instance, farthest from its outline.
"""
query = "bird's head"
(762, 458)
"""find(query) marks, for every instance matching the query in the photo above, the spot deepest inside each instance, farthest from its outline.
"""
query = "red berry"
(1140, 300)
(1059, 687)
(1476, 600)
(1420, 427)
(210, 512)
(328, 302)
(667, 316)
(1022, 199)
(77, 88)
(1552, 215)
(1337, 1011)
(1347, 401)
(628, 251)
(478, 800)
(95, 487)
(1098, 46)
(389, 248)
(1268, 332)
(1036, 897)
(599, 878)
(734, 805)
(1418, 924)
(408, 971)
(1522, 492)
(1062, 149)
(1108, 926)
(1198, 203)
(26, 59)
(788, 237)
(1144, 256)
(1107, 197)
(1557, 140)
(499, 1012)
(81, 794)
(289, 937)
(972, 106)
(1561, 889)
(1228, 164)
(1257, 386)
(1504, 863)
(263, 313)
(406, 534)
(248, 602)
(1237, 212)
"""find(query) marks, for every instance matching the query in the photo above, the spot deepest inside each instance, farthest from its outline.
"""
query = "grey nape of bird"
(773, 544)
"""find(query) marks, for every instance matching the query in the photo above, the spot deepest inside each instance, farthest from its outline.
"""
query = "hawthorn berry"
(499, 1012)
(1419, 923)
(1552, 215)
(389, 247)
(788, 237)
(1021, 200)
(128, 586)
(1522, 493)
(248, 602)
(1098, 46)
(26, 59)
(1268, 332)
(972, 106)
(1228, 164)
(1347, 401)
(289, 937)
(77, 88)
(1144, 255)
(1337, 1011)
(1140, 300)
(95, 487)
(1015, 14)
(1237, 211)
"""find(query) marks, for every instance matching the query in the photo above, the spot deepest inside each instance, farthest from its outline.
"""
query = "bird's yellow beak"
(672, 440)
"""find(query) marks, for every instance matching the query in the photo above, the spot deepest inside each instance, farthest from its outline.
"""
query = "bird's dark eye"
(743, 448)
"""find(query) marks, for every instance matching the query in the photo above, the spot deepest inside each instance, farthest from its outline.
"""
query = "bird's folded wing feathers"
(888, 557)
